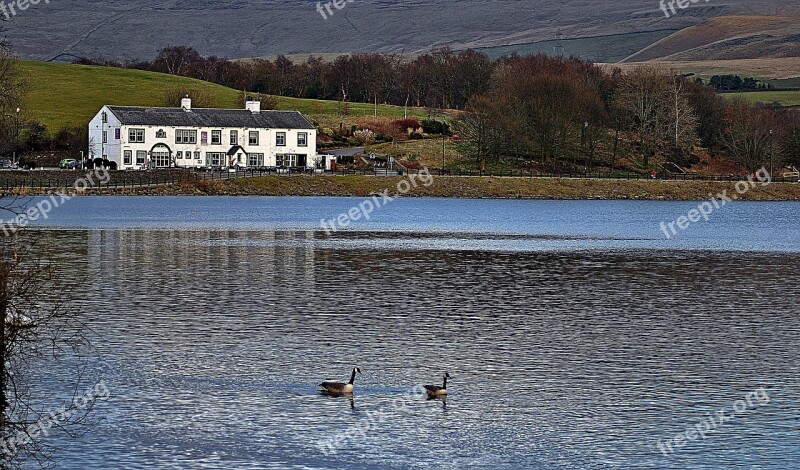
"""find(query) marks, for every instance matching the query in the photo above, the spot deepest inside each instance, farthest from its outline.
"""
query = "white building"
(137, 138)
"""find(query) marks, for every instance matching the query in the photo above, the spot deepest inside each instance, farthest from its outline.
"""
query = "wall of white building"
(160, 143)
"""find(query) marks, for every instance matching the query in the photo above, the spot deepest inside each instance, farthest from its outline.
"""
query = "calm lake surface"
(575, 334)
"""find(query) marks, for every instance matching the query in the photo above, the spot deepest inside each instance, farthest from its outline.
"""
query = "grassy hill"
(61, 95)
(786, 98)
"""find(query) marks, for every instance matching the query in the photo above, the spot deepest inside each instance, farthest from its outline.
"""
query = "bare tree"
(644, 96)
(746, 134)
(176, 60)
(37, 325)
(683, 119)
(200, 98)
(11, 88)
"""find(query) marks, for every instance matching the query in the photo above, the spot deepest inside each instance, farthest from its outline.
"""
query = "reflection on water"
(214, 342)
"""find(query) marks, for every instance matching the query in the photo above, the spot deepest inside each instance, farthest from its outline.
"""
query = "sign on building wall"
(116, 133)
(203, 138)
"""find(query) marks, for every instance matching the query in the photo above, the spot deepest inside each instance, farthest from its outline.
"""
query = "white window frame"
(280, 139)
(216, 137)
(304, 142)
(254, 141)
(127, 158)
(135, 136)
(141, 157)
(234, 138)
(185, 136)
(255, 159)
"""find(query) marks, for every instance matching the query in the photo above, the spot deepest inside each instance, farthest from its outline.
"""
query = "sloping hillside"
(728, 38)
(121, 29)
(768, 68)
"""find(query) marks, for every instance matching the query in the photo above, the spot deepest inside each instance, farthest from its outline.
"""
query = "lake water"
(575, 334)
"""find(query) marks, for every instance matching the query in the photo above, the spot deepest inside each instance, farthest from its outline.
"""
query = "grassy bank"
(466, 187)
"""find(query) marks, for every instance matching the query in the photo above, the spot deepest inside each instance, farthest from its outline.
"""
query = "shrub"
(364, 136)
(405, 124)
(430, 126)
(382, 126)
(415, 136)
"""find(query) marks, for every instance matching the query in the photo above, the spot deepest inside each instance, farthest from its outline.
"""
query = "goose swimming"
(338, 388)
(434, 391)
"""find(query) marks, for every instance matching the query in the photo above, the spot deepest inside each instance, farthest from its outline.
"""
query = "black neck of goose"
(353, 377)
(444, 385)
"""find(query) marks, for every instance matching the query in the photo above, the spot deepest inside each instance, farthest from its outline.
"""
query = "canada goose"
(434, 391)
(338, 388)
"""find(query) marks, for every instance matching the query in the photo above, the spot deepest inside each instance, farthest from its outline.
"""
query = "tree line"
(438, 79)
(551, 110)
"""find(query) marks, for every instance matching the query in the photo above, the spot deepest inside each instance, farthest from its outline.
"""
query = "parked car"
(68, 164)
(6, 165)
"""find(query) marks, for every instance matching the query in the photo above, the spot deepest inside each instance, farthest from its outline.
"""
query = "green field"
(785, 98)
(61, 95)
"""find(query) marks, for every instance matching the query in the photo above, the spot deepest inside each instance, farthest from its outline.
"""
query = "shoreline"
(452, 187)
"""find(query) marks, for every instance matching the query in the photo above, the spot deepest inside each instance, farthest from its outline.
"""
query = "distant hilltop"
(120, 30)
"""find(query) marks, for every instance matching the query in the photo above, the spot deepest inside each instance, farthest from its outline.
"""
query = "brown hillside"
(768, 68)
(728, 38)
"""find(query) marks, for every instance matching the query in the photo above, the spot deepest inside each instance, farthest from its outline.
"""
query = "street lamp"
(770, 154)
(16, 145)
(585, 134)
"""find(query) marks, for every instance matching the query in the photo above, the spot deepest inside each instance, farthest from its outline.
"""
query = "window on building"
(255, 159)
(286, 160)
(141, 156)
(215, 159)
(234, 137)
(216, 137)
(105, 116)
(197, 156)
(105, 137)
(184, 136)
(179, 155)
(280, 139)
(136, 136)
(161, 134)
(127, 157)
(253, 137)
(302, 139)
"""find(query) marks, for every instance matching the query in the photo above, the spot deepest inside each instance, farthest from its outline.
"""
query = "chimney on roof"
(186, 103)
(253, 106)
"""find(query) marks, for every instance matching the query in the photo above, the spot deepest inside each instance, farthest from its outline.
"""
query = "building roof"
(207, 117)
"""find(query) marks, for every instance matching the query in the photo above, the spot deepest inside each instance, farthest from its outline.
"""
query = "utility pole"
(443, 143)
